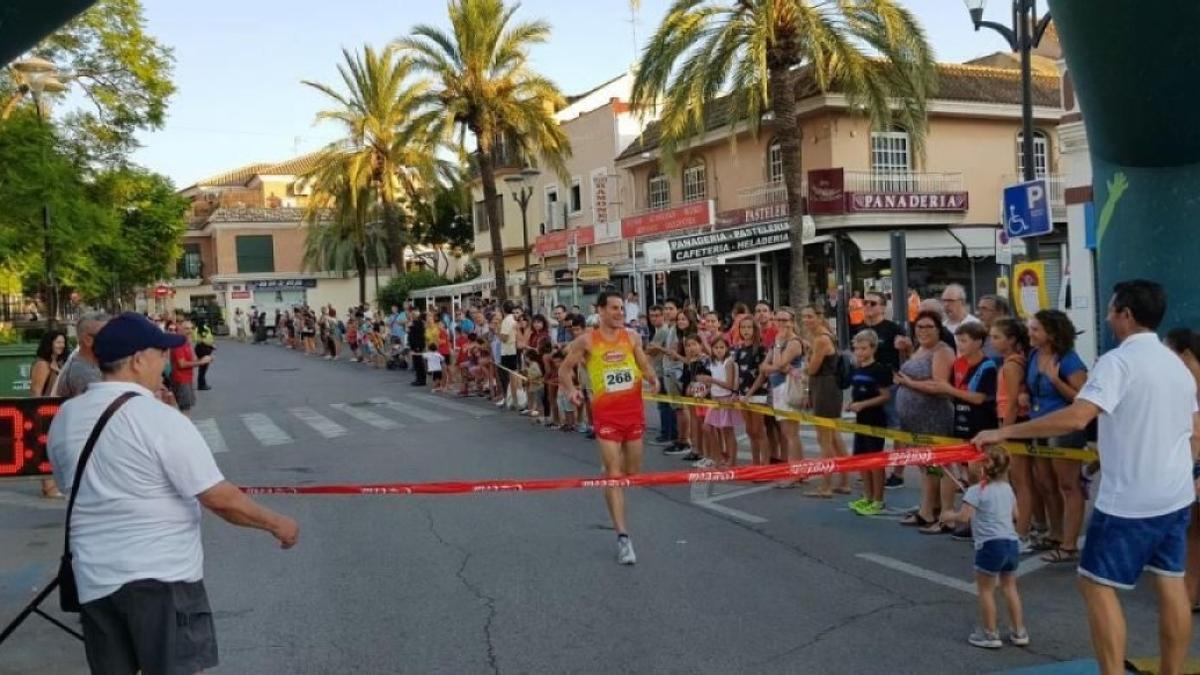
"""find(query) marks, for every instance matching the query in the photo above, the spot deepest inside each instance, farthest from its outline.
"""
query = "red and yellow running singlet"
(616, 380)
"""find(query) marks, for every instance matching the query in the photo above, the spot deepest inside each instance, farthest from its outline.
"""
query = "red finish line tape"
(938, 456)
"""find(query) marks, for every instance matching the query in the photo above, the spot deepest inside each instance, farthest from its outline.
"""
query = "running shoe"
(869, 508)
(858, 504)
(691, 456)
(962, 534)
(893, 481)
(985, 639)
(1019, 638)
(1025, 545)
(704, 463)
(625, 554)
(677, 449)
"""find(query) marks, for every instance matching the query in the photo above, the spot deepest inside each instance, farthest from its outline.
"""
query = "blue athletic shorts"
(997, 556)
(1118, 549)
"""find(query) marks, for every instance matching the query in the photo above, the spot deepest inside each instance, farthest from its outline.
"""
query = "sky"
(239, 65)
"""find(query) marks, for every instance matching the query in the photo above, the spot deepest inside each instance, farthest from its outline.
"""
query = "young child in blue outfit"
(991, 508)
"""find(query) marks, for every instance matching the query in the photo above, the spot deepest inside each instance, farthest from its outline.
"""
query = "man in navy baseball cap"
(128, 334)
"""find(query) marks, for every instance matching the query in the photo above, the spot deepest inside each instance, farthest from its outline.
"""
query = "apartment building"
(711, 225)
(244, 247)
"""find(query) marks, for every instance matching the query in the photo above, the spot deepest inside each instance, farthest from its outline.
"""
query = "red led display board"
(24, 423)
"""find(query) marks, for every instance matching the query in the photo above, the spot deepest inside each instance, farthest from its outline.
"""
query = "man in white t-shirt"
(1149, 439)
(954, 303)
(135, 528)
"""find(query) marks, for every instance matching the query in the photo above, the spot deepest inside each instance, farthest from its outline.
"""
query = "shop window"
(1041, 154)
(190, 265)
(659, 192)
(255, 253)
(775, 162)
(891, 159)
(695, 182)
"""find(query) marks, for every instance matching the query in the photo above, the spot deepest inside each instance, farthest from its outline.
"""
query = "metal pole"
(524, 202)
(839, 268)
(1024, 31)
(899, 278)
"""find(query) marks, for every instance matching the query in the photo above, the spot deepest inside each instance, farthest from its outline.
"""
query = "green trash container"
(16, 364)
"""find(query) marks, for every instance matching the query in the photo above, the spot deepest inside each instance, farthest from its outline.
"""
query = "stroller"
(397, 356)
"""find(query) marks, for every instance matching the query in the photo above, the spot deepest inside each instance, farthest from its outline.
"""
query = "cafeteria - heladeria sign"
(724, 242)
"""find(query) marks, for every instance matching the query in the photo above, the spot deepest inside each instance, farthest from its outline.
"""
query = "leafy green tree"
(482, 83)
(401, 286)
(443, 222)
(123, 71)
(765, 53)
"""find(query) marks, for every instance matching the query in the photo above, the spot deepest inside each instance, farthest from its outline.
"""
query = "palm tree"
(482, 83)
(344, 230)
(389, 125)
(765, 53)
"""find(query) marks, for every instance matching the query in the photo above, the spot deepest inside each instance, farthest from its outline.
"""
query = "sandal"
(937, 528)
(915, 520)
(1045, 544)
(1061, 555)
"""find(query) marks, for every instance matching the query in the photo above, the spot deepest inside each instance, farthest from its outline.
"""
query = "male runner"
(616, 366)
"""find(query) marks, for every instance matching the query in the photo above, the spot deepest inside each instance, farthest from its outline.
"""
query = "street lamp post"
(1023, 37)
(522, 192)
(40, 77)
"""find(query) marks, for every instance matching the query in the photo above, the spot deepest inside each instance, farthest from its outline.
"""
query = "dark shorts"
(185, 395)
(867, 445)
(151, 626)
(1117, 549)
(437, 375)
(997, 556)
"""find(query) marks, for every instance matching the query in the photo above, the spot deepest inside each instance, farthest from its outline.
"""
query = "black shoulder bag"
(68, 592)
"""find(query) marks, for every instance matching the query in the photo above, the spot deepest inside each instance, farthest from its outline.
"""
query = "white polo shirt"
(1148, 398)
(136, 516)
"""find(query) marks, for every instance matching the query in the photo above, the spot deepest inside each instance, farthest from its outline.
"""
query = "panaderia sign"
(724, 242)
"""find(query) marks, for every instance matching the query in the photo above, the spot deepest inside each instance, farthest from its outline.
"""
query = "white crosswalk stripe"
(474, 411)
(366, 416)
(212, 435)
(264, 430)
(410, 410)
(320, 423)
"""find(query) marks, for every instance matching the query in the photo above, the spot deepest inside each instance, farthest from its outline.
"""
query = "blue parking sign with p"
(1027, 209)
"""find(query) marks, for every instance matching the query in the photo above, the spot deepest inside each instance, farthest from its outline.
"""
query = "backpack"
(843, 370)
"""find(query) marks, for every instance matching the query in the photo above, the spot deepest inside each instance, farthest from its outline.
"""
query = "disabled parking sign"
(1027, 209)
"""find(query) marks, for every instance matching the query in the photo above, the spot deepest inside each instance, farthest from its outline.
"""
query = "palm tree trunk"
(783, 110)
(391, 232)
(360, 265)
(491, 199)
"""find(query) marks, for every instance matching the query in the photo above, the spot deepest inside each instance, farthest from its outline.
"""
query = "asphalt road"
(730, 578)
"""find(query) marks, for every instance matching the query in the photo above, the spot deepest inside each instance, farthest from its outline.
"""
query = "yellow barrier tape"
(1079, 454)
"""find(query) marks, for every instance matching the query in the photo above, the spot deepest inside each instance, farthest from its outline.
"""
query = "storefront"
(935, 258)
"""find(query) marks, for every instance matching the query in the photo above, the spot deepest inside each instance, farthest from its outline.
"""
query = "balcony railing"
(762, 195)
(903, 181)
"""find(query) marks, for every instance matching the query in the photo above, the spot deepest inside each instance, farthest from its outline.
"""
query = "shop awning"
(980, 242)
(452, 290)
(877, 245)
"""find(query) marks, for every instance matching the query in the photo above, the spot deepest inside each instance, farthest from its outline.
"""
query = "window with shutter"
(255, 253)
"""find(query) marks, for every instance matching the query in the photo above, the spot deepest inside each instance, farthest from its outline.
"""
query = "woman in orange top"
(1010, 339)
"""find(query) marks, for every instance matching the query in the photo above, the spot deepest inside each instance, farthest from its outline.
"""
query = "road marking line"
(212, 435)
(362, 415)
(264, 430)
(1030, 565)
(410, 410)
(320, 423)
(474, 411)
(920, 572)
(732, 513)
(734, 494)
